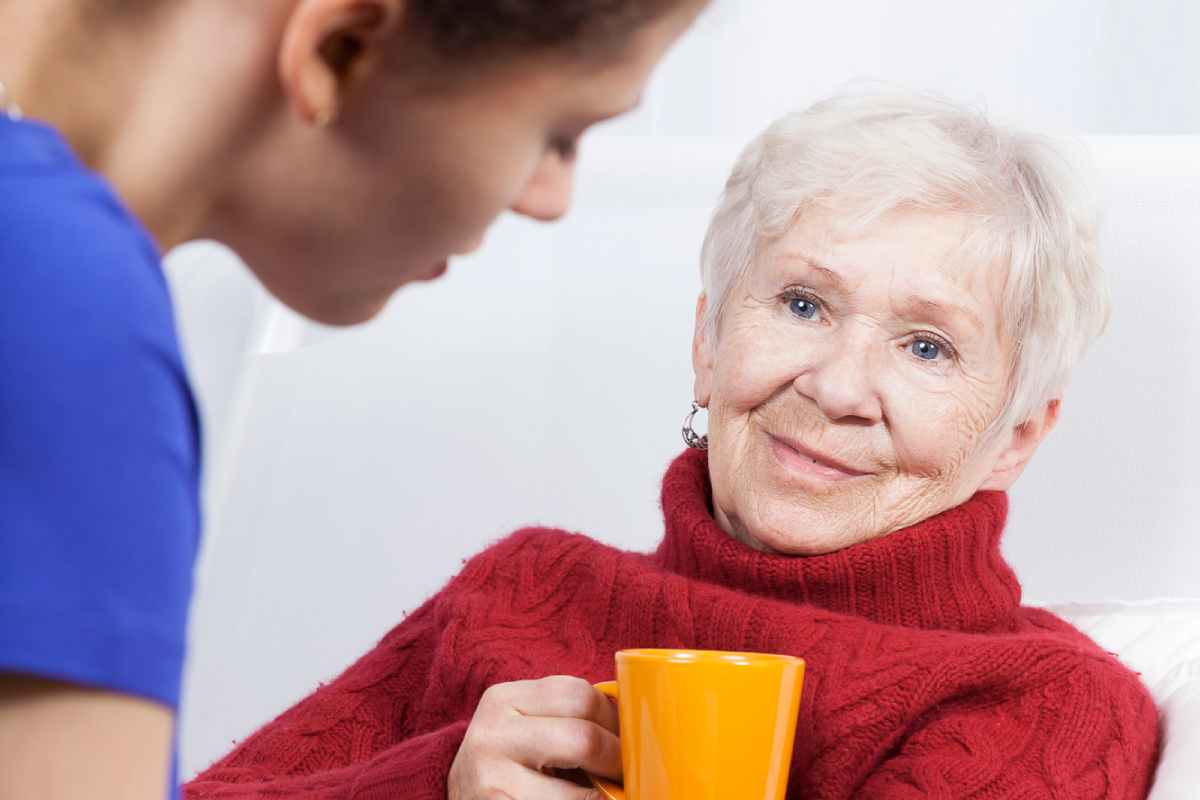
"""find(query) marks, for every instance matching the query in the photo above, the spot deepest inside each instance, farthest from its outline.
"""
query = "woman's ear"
(702, 354)
(1024, 443)
(329, 47)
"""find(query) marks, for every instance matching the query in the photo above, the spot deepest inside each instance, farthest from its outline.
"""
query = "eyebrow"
(936, 308)
(829, 275)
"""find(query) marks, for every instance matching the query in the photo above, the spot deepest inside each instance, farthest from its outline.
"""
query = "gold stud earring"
(325, 117)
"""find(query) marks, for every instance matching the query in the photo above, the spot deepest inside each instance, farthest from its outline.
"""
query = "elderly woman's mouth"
(797, 458)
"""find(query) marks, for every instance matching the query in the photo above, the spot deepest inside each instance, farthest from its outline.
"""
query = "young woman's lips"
(799, 459)
(436, 271)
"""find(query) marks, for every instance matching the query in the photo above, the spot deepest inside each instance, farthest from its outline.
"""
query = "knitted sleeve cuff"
(415, 769)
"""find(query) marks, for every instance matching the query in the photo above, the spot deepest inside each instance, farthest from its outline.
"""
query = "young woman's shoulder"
(99, 440)
(71, 253)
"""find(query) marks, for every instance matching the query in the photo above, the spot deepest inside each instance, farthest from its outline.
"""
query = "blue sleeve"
(99, 453)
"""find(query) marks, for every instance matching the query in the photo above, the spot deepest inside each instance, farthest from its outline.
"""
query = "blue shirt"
(99, 441)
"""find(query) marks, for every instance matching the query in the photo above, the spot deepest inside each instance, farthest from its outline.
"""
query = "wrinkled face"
(852, 380)
(334, 220)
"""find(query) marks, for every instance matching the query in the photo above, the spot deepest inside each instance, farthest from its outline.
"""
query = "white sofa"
(349, 472)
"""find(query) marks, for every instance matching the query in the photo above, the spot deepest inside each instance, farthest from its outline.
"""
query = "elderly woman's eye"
(925, 349)
(802, 307)
(929, 349)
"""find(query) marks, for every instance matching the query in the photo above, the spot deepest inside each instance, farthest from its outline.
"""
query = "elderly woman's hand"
(522, 732)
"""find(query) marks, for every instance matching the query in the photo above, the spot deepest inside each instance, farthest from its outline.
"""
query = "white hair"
(1031, 200)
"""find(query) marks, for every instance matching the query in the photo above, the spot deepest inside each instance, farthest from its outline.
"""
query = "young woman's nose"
(548, 193)
(843, 381)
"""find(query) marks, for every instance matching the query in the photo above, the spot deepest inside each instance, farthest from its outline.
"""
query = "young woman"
(343, 148)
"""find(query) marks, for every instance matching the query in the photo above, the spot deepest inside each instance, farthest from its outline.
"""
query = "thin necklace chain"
(9, 105)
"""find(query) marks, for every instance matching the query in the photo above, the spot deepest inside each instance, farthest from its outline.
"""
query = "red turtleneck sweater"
(925, 677)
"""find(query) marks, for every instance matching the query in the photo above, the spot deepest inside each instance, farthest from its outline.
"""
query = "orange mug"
(704, 724)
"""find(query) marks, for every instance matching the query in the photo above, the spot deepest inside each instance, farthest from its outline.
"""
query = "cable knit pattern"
(925, 677)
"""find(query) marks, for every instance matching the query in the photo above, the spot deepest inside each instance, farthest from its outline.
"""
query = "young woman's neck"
(112, 88)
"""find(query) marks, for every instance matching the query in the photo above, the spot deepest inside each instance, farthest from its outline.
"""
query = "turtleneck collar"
(943, 573)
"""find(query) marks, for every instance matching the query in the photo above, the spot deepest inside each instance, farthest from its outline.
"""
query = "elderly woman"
(895, 294)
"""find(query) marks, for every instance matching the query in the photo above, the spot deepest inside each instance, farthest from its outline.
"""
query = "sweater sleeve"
(368, 734)
(415, 768)
(1053, 742)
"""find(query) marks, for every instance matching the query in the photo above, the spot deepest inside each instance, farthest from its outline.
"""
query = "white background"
(1101, 66)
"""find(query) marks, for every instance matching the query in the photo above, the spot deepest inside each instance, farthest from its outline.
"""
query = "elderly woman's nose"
(843, 384)
(548, 193)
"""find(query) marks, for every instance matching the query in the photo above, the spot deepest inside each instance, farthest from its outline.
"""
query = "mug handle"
(608, 790)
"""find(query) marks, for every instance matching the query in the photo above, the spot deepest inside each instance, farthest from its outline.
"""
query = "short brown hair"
(472, 31)
(479, 30)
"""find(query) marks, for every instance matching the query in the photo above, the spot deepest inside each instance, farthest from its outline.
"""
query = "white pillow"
(1179, 771)
(1159, 639)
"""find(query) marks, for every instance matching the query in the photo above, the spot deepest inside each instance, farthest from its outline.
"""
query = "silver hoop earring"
(693, 439)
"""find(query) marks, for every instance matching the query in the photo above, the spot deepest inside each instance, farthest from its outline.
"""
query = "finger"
(496, 779)
(536, 786)
(575, 776)
(509, 780)
(564, 696)
(563, 743)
